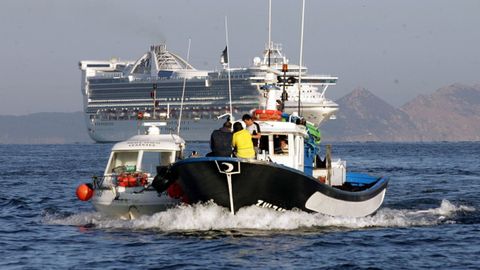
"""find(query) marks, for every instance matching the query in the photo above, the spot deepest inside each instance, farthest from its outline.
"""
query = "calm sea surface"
(430, 217)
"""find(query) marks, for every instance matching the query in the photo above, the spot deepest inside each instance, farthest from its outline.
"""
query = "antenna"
(269, 30)
(301, 57)
(228, 69)
(269, 24)
(183, 90)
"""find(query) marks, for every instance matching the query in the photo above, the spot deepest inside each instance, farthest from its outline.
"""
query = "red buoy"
(175, 191)
(84, 192)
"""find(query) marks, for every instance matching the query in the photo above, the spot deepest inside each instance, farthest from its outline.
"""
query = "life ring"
(267, 115)
(140, 115)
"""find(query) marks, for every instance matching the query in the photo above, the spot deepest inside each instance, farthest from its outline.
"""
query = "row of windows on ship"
(211, 76)
(185, 125)
(198, 96)
(162, 113)
(307, 94)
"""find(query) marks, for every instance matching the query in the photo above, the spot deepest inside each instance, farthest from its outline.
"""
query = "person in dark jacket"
(221, 141)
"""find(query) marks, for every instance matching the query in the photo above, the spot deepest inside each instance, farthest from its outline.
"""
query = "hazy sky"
(395, 49)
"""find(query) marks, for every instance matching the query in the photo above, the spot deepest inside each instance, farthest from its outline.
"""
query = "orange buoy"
(84, 192)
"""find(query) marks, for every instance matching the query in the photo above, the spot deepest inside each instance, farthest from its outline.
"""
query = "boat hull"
(235, 183)
(130, 204)
(104, 131)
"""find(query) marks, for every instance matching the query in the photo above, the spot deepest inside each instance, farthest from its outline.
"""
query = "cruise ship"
(118, 96)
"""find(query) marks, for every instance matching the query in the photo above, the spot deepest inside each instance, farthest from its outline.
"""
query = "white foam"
(204, 217)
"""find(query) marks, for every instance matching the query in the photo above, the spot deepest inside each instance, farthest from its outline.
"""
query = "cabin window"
(150, 161)
(263, 143)
(280, 144)
(178, 155)
(127, 160)
(274, 143)
(98, 65)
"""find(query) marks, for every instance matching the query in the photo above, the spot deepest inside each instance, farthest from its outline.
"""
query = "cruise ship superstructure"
(119, 95)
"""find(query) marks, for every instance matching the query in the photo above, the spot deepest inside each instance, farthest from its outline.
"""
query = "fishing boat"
(278, 178)
(286, 173)
(126, 188)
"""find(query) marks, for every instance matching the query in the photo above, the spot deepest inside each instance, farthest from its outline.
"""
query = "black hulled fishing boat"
(286, 174)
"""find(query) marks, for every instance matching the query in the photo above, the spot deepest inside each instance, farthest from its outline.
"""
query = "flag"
(224, 57)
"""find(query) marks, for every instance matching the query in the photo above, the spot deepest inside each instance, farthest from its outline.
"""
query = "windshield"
(123, 161)
(151, 160)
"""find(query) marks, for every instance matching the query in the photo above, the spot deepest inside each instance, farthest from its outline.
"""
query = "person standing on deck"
(242, 142)
(254, 130)
(221, 141)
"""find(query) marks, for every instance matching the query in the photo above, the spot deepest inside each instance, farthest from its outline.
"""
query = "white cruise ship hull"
(314, 112)
(104, 131)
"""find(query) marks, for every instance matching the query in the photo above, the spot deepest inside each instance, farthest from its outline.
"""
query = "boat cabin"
(283, 143)
(143, 153)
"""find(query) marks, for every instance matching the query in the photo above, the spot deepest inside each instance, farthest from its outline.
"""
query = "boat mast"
(301, 57)
(228, 70)
(183, 90)
(269, 30)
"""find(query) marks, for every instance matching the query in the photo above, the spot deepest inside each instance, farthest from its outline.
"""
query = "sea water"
(430, 217)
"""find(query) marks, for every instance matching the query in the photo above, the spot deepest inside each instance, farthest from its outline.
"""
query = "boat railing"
(103, 182)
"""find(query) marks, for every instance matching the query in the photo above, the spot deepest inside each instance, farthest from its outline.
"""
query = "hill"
(451, 113)
(365, 117)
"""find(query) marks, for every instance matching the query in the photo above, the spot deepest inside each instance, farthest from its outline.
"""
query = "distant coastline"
(44, 128)
(450, 114)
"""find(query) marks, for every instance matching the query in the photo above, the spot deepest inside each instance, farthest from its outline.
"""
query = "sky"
(395, 49)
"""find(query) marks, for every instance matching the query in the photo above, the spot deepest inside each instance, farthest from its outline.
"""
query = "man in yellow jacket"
(242, 142)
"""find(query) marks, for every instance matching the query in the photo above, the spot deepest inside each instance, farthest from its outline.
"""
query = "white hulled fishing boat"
(126, 188)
